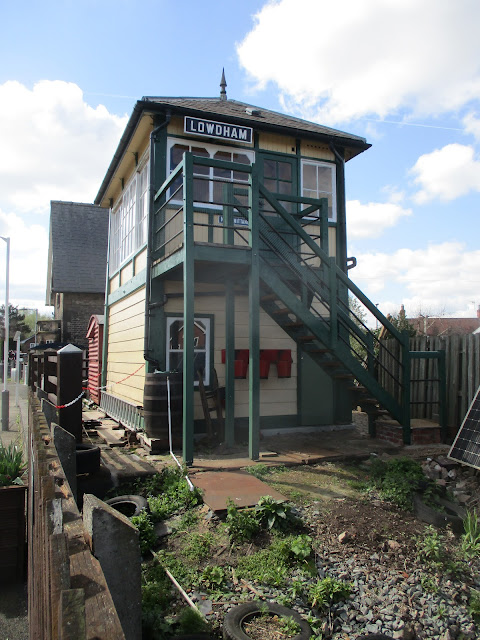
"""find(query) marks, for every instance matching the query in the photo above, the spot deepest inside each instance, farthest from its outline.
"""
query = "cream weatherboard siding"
(278, 396)
(126, 327)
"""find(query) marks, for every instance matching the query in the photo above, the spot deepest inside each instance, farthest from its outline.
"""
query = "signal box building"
(228, 245)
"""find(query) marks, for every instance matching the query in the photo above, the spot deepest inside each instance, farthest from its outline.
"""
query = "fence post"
(69, 387)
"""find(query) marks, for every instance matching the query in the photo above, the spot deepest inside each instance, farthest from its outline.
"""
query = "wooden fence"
(462, 362)
(68, 597)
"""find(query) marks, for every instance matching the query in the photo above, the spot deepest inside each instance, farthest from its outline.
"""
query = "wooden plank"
(71, 618)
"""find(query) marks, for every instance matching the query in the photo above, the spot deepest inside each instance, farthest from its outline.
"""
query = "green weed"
(259, 470)
(242, 524)
(275, 514)
(470, 543)
(474, 605)
(213, 577)
(146, 531)
(397, 480)
(326, 592)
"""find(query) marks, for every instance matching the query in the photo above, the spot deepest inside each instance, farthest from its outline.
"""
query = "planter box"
(12, 532)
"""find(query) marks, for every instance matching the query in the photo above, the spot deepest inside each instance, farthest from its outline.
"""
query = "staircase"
(322, 310)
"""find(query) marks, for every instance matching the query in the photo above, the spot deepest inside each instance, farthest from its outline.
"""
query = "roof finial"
(223, 86)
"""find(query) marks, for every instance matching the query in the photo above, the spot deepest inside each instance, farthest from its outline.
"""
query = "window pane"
(203, 153)
(285, 171)
(222, 173)
(309, 177)
(325, 179)
(269, 169)
(176, 154)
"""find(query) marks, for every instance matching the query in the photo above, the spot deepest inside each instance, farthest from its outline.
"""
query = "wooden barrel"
(155, 408)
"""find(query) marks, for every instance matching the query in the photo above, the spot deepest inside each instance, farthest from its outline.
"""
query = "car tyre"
(128, 505)
(235, 618)
(88, 458)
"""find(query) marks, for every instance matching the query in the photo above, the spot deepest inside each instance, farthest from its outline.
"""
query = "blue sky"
(405, 74)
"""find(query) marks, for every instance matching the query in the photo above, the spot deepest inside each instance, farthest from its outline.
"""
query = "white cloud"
(359, 57)
(28, 260)
(472, 125)
(372, 219)
(54, 145)
(441, 278)
(446, 173)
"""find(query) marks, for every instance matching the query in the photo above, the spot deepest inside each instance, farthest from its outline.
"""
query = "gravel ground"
(13, 612)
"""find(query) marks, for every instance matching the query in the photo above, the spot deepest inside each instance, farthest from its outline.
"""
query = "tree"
(16, 320)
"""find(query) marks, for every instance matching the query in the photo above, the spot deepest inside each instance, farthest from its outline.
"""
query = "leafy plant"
(173, 494)
(197, 546)
(326, 592)
(213, 577)
(276, 514)
(190, 621)
(146, 530)
(470, 544)
(268, 566)
(242, 524)
(289, 627)
(301, 547)
(397, 480)
(433, 552)
(12, 466)
(259, 470)
(474, 605)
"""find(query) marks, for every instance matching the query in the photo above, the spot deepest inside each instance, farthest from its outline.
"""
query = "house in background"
(428, 326)
(77, 259)
(231, 217)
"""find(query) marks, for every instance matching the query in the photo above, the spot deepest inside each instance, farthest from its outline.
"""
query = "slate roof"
(77, 252)
(260, 117)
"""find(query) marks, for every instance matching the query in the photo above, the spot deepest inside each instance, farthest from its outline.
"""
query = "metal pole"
(17, 368)
(5, 396)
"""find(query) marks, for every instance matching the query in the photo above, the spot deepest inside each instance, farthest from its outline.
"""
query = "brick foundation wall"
(393, 432)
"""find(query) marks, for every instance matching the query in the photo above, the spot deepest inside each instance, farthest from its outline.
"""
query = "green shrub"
(397, 480)
(146, 531)
(275, 514)
(242, 524)
(174, 494)
(471, 538)
(326, 592)
(12, 466)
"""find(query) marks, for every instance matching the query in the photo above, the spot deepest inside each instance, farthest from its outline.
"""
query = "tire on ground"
(129, 505)
(88, 458)
(232, 624)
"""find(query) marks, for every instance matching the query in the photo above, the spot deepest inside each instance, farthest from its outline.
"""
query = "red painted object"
(95, 346)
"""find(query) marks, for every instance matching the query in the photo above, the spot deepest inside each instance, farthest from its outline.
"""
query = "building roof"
(444, 326)
(232, 112)
(255, 116)
(77, 252)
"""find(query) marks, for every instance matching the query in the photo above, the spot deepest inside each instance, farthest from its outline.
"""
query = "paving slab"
(239, 486)
(124, 466)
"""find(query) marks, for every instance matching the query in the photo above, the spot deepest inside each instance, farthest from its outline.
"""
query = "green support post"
(230, 364)
(406, 361)
(442, 395)
(188, 309)
(254, 323)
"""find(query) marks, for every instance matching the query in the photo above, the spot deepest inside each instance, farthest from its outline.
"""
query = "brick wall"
(75, 310)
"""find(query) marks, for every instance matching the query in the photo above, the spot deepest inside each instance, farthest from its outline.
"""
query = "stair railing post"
(406, 362)
(332, 281)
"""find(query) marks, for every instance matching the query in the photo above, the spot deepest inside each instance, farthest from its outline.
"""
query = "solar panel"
(466, 447)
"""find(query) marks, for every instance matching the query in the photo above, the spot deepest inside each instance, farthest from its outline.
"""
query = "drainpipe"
(153, 134)
(341, 210)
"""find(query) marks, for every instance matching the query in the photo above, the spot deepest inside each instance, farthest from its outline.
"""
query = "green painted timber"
(188, 312)
(229, 364)
(135, 283)
(254, 325)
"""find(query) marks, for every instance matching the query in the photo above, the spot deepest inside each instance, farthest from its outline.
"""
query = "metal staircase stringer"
(323, 335)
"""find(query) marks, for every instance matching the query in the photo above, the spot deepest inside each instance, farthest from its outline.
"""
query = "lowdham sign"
(221, 130)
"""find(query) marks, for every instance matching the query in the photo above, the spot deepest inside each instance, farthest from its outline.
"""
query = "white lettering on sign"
(214, 129)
